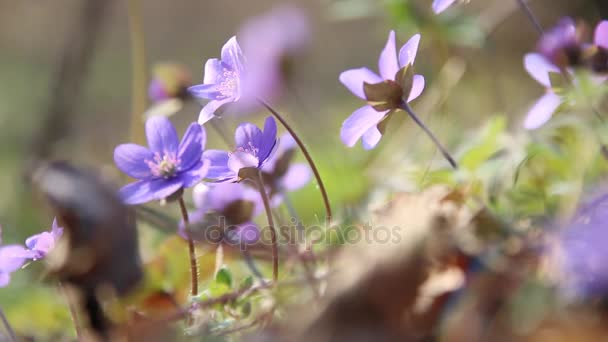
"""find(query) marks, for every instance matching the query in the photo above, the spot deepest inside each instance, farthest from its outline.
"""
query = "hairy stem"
(304, 150)
(442, 149)
(273, 232)
(191, 250)
(523, 5)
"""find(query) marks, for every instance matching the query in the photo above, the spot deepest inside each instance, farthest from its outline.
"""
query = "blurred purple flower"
(601, 34)
(41, 244)
(167, 166)
(270, 43)
(12, 257)
(561, 44)
(232, 206)
(280, 174)
(441, 5)
(539, 68)
(583, 254)
(221, 81)
(168, 81)
(253, 148)
(599, 60)
(363, 123)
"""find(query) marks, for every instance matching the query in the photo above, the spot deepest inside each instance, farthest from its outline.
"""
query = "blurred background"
(471, 57)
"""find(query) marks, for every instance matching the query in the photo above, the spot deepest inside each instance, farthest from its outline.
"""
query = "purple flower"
(12, 257)
(270, 43)
(167, 166)
(222, 81)
(364, 122)
(441, 5)
(561, 44)
(228, 206)
(540, 68)
(601, 34)
(169, 81)
(41, 244)
(599, 59)
(253, 149)
(280, 174)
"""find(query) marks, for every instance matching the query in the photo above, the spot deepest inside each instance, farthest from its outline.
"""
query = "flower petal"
(218, 169)
(417, 87)
(297, 176)
(239, 160)
(539, 67)
(162, 136)
(146, 191)
(213, 71)
(247, 135)
(12, 257)
(353, 79)
(371, 138)
(408, 51)
(208, 112)
(601, 34)
(221, 195)
(191, 147)
(542, 110)
(232, 55)
(205, 91)
(358, 123)
(195, 174)
(131, 159)
(56, 230)
(387, 63)
(5, 278)
(245, 233)
(441, 5)
(268, 139)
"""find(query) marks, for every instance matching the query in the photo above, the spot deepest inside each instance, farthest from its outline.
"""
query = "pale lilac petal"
(371, 138)
(387, 63)
(417, 87)
(441, 5)
(297, 176)
(245, 233)
(539, 68)
(214, 71)
(232, 55)
(247, 135)
(353, 79)
(195, 174)
(146, 191)
(205, 91)
(42, 243)
(162, 136)
(208, 112)
(222, 195)
(542, 111)
(56, 230)
(601, 34)
(200, 194)
(284, 144)
(219, 164)
(358, 123)
(239, 160)
(12, 257)
(5, 278)
(131, 159)
(191, 147)
(268, 139)
(407, 54)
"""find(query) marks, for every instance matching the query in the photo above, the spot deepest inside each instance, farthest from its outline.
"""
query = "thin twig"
(273, 232)
(523, 5)
(191, 249)
(306, 154)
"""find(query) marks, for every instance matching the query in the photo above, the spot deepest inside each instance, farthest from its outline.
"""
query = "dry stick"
(138, 67)
(191, 250)
(306, 155)
(8, 327)
(526, 9)
(428, 132)
(273, 232)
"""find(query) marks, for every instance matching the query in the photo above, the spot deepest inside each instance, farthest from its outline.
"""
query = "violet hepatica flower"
(280, 174)
(12, 257)
(561, 44)
(164, 168)
(253, 149)
(222, 81)
(540, 68)
(384, 93)
(441, 5)
(41, 244)
(230, 207)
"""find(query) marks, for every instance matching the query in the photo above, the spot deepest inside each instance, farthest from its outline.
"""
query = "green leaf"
(246, 283)
(224, 276)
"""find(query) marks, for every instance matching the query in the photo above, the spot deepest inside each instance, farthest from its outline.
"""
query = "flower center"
(229, 83)
(164, 166)
(250, 149)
